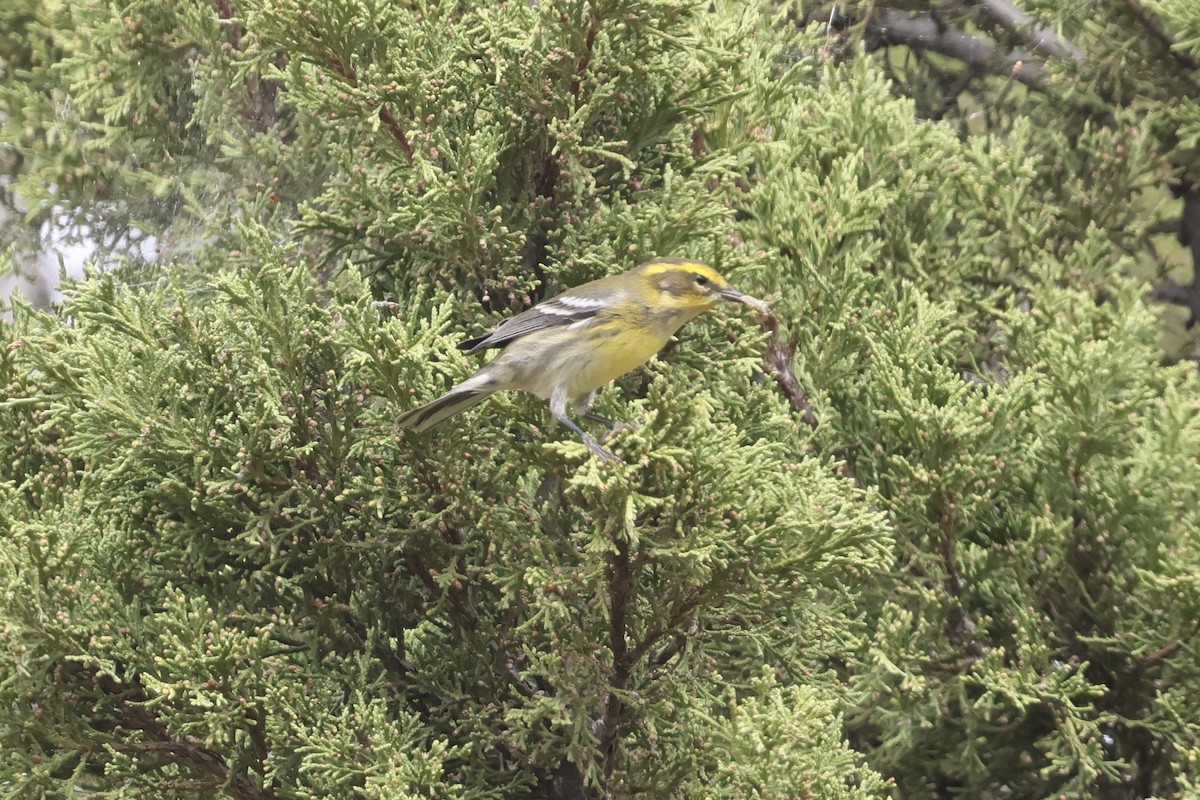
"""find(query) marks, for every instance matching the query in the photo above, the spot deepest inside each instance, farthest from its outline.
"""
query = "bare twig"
(778, 359)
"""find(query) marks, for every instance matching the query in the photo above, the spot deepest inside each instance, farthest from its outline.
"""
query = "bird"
(566, 348)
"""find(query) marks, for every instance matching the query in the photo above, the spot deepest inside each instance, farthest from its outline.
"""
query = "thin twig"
(778, 358)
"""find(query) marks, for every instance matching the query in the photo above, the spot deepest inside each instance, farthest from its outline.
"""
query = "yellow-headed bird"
(565, 348)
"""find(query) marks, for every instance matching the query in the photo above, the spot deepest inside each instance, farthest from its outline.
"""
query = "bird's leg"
(583, 409)
(558, 407)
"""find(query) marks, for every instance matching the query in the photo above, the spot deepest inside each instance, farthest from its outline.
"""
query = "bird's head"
(689, 286)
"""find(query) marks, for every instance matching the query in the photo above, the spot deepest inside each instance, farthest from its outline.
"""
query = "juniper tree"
(939, 508)
(143, 130)
(1090, 109)
(1112, 87)
(329, 608)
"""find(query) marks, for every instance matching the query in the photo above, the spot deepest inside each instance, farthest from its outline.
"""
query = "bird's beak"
(733, 295)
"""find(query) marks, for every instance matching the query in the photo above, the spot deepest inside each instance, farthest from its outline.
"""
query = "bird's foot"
(614, 425)
(600, 452)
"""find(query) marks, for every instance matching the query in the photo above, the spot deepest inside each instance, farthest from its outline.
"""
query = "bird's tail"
(460, 398)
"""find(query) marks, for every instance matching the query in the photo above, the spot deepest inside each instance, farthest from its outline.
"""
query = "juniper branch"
(184, 752)
(620, 591)
(385, 114)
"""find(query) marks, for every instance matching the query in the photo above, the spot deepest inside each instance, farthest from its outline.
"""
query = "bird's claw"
(601, 453)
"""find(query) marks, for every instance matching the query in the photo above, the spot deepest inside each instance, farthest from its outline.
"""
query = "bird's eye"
(701, 280)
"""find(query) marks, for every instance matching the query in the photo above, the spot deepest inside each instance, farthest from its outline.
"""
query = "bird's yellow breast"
(620, 352)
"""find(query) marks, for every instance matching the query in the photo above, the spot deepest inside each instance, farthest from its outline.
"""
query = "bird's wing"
(569, 308)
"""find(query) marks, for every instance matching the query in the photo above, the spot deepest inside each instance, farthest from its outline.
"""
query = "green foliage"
(976, 361)
(146, 119)
(493, 147)
(775, 743)
(272, 575)
(972, 572)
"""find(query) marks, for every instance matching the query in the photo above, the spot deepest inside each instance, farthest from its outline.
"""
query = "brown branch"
(545, 181)
(397, 133)
(460, 598)
(201, 759)
(1188, 233)
(670, 651)
(460, 595)
(463, 610)
(1156, 29)
(535, 251)
(1180, 294)
(950, 96)
(525, 688)
(585, 60)
(262, 112)
(1166, 651)
(682, 614)
(135, 716)
(620, 589)
(457, 598)
(778, 358)
(417, 565)
(1166, 226)
(233, 31)
(887, 27)
(565, 782)
(385, 114)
